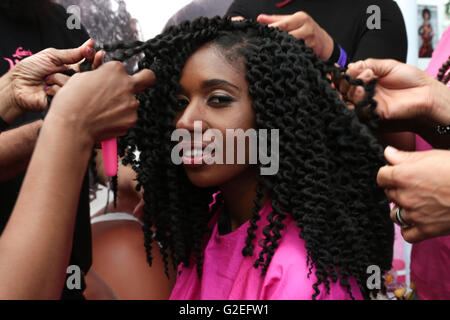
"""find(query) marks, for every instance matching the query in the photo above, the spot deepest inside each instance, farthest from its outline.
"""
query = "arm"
(43, 239)
(36, 243)
(16, 147)
(117, 249)
(388, 42)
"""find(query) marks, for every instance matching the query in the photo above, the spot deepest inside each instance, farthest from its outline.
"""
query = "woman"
(312, 229)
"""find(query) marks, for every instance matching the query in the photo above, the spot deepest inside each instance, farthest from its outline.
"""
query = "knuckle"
(49, 51)
(116, 66)
(301, 14)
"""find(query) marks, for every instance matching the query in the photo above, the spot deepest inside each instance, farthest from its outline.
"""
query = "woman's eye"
(182, 103)
(220, 100)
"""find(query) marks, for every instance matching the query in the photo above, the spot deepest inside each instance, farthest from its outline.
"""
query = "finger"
(301, 33)
(98, 59)
(411, 235)
(395, 156)
(52, 90)
(72, 56)
(354, 69)
(386, 178)
(417, 233)
(381, 67)
(405, 213)
(57, 78)
(142, 80)
(272, 18)
(357, 93)
(238, 18)
(393, 195)
(291, 22)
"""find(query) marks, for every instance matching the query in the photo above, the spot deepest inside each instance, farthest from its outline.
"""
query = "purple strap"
(343, 57)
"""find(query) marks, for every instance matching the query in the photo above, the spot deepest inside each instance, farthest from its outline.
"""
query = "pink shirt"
(227, 274)
(430, 259)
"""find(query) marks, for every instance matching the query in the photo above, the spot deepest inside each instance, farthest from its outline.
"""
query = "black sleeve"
(239, 8)
(70, 38)
(389, 42)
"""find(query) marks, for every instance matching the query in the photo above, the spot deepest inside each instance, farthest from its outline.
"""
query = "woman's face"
(215, 95)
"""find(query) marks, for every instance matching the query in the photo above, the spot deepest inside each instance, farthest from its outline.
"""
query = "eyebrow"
(218, 82)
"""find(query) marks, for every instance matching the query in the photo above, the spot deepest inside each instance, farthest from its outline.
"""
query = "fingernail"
(90, 51)
(47, 78)
(391, 150)
(47, 88)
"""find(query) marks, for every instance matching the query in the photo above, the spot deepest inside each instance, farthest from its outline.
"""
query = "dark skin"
(224, 104)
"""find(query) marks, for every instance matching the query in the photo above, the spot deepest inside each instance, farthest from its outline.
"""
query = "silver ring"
(399, 219)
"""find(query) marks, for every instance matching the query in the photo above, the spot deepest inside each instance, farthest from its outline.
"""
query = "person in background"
(27, 27)
(92, 107)
(340, 31)
(418, 182)
(430, 259)
(199, 8)
(106, 24)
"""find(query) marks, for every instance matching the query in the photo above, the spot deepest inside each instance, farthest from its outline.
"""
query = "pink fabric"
(227, 274)
(430, 259)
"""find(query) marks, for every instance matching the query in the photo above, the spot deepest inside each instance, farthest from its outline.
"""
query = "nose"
(193, 113)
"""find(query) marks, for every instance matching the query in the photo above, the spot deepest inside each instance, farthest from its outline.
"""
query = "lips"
(193, 154)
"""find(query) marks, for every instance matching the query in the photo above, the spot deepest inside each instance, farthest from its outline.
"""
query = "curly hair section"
(329, 158)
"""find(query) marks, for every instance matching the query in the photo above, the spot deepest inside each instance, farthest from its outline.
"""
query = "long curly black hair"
(328, 158)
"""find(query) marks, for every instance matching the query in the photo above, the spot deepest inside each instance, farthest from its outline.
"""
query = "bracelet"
(339, 55)
(342, 58)
(443, 130)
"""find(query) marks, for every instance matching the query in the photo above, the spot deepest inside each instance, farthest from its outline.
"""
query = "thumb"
(142, 80)
(72, 56)
(269, 19)
(394, 156)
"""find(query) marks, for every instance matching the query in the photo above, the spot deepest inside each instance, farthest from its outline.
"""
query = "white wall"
(153, 15)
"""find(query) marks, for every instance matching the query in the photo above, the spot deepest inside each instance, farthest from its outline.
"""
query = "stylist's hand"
(27, 78)
(406, 96)
(56, 81)
(419, 182)
(302, 26)
(100, 104)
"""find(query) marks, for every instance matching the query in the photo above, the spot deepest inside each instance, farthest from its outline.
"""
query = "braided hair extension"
(328, 158)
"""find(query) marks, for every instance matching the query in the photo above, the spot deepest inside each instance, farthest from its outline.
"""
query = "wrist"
(9, 111)
(70, 129)
(439, 108)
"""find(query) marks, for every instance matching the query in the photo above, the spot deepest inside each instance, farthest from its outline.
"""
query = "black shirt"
(19, 40)
(345, 21)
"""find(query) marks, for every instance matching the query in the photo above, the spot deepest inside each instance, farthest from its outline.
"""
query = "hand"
(419, 182)
(302, 26)
(56, 81)
(26, 81)
(405, 95)
(100, 104)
